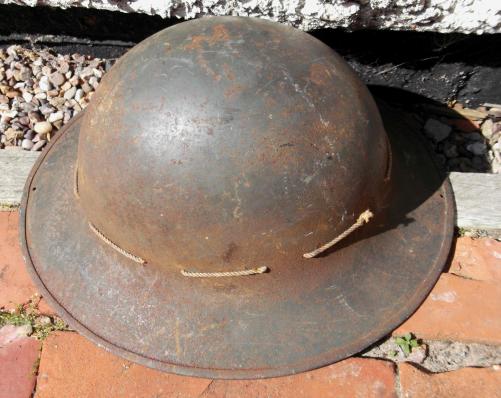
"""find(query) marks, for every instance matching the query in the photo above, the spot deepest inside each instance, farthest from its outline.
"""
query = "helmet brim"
(366, 286)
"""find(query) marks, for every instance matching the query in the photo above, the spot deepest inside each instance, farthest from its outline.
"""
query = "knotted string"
(364, 218)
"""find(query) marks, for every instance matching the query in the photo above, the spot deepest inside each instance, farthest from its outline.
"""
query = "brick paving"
(458, 309)
(462, 383)
(463, 306)
(18, 366)
(477, 259)
(71, 366)
(16, 286)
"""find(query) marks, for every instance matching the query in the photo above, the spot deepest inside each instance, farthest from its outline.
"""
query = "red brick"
(478, 259)
(458, 309)
(71, 366)
(462, 383)
(16, 286)
(353, 377)
(18, 367)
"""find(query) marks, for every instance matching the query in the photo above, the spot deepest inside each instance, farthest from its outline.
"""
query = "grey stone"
(39, 145)
(29, 134)
(450, 150)
(477, 148)
(44, 84)
(436, 130)
(475, 137)
(46, 109)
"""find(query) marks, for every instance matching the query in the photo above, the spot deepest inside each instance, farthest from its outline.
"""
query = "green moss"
(28, 314)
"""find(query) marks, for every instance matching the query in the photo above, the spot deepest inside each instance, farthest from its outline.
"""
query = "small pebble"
(12, 134)
(487, 128)
(436, 130)
(29, 134)
(44, 84)
(39, 145)
(79, 94)
(64, 67)
(46, 70)
(35, 117)
(27, 144)
(66, 86)
(69, 94)
(12, 94)
(43, 128)
(54, 117)
(27, 96)
(94, 82)
(86, 88)
(477, 148)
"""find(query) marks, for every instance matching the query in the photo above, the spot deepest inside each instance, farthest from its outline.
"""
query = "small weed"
(28, 314)
(407, 343)
(8, 206)
(36, 365)
(19, 317)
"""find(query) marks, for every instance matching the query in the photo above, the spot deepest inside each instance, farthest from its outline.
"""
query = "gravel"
(40, 91)
(465, 140)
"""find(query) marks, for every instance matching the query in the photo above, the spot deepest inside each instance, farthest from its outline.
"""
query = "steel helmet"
(232, 205)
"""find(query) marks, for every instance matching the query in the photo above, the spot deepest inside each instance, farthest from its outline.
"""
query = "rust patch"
(219, 34)
(233, 91)
(319, 74)
(206, 67)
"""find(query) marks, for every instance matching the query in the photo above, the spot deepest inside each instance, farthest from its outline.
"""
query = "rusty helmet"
(232, 205)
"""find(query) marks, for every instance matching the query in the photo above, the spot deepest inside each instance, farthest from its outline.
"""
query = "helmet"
(230, 205)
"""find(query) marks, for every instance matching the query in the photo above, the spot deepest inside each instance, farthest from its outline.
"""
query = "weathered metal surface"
(227, 143)
(232, 142)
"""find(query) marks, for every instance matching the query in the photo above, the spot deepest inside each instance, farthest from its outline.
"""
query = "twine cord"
(114, 246)
(364, 218)
(244, 272)
(189, 274)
